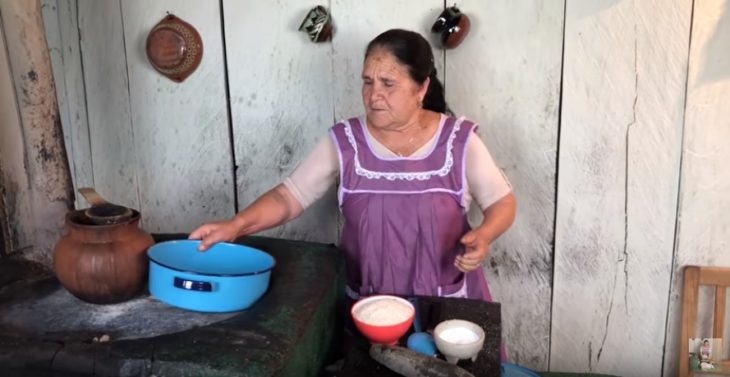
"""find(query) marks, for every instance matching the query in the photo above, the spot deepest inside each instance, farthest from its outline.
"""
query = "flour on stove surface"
(104, 315)
(57, 314)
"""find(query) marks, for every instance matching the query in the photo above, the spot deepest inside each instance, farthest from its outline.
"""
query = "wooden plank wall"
(703, 233)
(104, 64)
(596, 167)
(61, 21)
(623, 98)
(506, 76)
(121, 147)
(281, 105)
(180, 133)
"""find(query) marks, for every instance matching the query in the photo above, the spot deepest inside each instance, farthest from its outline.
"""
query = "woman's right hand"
(212, 233)
(273, 208)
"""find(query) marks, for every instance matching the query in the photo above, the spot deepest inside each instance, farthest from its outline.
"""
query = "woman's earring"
(420, 103)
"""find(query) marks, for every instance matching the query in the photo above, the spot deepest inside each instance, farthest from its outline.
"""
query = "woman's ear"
(424, 88)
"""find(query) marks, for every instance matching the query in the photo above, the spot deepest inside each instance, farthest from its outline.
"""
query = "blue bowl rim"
(273, 264)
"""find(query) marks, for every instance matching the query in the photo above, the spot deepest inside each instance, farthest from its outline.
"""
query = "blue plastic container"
(225, 278)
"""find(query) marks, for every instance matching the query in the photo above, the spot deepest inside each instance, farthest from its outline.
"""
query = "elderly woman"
(407, 174)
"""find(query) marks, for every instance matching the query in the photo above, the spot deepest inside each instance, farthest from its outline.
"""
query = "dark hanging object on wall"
(317, 24)
(174, 48)
(453, 26)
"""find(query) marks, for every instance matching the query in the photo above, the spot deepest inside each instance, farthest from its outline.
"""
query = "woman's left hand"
(497, 218)
(476, 249)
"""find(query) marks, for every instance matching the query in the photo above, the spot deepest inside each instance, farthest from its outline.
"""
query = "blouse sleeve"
(314, 175)
(486, 182)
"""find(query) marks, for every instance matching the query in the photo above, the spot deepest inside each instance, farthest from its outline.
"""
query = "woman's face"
(390, 95)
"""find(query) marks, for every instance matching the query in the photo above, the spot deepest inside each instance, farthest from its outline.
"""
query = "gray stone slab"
(46, 310)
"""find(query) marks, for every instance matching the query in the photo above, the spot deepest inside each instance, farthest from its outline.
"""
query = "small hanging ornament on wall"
(453, 26)
(174, 48)
(317, 24)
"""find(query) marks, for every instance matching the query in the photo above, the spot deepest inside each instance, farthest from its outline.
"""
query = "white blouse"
(320, 170)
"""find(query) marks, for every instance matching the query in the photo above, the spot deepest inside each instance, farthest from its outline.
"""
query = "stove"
(291, 330)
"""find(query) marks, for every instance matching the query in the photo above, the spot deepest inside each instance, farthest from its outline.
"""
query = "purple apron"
(404, 217)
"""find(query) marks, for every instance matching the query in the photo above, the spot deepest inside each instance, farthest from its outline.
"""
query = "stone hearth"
(289, 331)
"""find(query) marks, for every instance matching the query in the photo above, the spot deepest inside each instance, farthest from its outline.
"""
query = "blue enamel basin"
(225, 278)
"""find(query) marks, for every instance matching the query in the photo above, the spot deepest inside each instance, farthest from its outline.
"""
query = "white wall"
(60, 19)
(703, 223)
(134, 135)
(624, 76)
(608, 116)
(506, 76)
(281, 98)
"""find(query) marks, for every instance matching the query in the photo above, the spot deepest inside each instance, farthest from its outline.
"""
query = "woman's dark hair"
(414, 51)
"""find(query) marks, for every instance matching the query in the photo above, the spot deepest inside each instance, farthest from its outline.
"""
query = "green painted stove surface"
(288, 332)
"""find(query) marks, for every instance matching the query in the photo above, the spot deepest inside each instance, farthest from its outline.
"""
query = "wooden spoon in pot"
(102, 212)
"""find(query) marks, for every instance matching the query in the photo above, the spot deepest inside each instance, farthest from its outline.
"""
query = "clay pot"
(102, 264)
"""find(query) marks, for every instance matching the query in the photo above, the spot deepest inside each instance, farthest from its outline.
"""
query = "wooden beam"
(689, 317)
(718, 326)
(714, 276)
(44, 155)
(4, 237)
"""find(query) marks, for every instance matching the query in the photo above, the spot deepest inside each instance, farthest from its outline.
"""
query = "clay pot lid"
(101, 211)
(174, 48)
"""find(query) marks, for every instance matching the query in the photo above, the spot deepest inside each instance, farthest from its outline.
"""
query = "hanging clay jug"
(102, 263)
(453, 26)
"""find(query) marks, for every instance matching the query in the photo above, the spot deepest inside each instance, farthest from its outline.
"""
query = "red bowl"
(383, 319)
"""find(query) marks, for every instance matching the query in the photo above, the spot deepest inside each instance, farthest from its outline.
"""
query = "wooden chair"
(694, 276)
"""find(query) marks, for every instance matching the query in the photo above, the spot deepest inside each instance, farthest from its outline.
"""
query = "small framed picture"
(705, 354)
